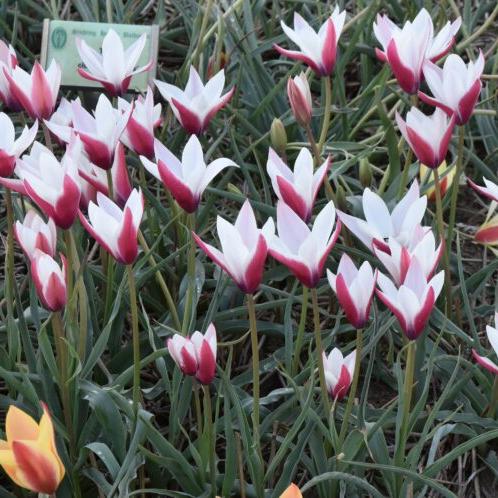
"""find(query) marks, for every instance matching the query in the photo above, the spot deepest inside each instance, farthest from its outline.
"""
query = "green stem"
(319, 352)
(313, 145)
(198, 413)
(69, 276)
(354, 387)
(494, 399)
(407, 395)
(208, 414)
(200, 40)
(110, 185)
(456, 186)
(162, 283)
(187, 318)
(9, 277)
(136, 337)
(300, 331)
(251, 310)
(442, 238)
(326, 113)
(408, 159)
(62, 359)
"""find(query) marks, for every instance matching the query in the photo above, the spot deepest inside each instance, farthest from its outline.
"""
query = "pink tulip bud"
(10, 148)
(138, 135)
(338, 372)
(302, 250)
(487, 233)
(428, 136)
(455, 86)
(115, 66)
(318, 50)
(33, 233)
(36, 92)
(196, 355)
(50, 280)
(195, 106)
(492, 333)
(244, 249)
(114, 229)
(380, 223)
(406, 49)
(354, 289)
(298, 188)
(186, 179)
(8, 61)
(413, 301)
(298, 91)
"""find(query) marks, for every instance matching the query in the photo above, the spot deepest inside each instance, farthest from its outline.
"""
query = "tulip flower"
(10, 148)
(195, 106)
(339, 371)
(244, 249)
(455, 86)
(406, 49)
(302, 250)
(97, 177)
(487, 233)
(298, 91)
(115, 66)
(292, 492)
(33, 233)
(492, 333)
(297, 189)
(116, 229)
(29, 454)
(36, 91)
(399, 257)
(8, 61)
(354, 289)
(63, 116)
(186, 179)
(195, 355)
(138, 135)
(318, 50)
(380, 224)
(99, 133)
(428, 136)
(53, 185)
(50, 280)
(413, 301)
(490, 190)
(446, 174)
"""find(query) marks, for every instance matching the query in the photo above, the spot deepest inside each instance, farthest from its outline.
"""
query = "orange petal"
(38, 471)
(292, 492)
(46, 441)
(19, 425)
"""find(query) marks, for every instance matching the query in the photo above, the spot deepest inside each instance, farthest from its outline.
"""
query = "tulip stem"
(135, 336)
(191, 287)
(443, 239)
(494, 399)
(300, 331)
(313, 145)
(326, 114)
(208, 414)
(251, 310)
(9, 278)
(110, 186)
(407, 400)
(61, 349)
(354, 387)
(319, 352)
(408, 159)
(162, 283)
(456, 186)
(197, 401)
(200, 40)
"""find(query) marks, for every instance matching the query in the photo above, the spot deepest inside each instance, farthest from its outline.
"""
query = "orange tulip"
(487, 233)
(427, 175)
(29, 456)
(292, 492)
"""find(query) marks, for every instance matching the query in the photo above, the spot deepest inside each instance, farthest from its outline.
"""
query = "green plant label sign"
(59, 43)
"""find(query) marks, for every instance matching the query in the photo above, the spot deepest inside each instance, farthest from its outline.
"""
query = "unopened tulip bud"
(298, 91)
(487, 234)
(365, 172)
(212, 69)
(340, 197)
(447, 177)
(278, 136)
